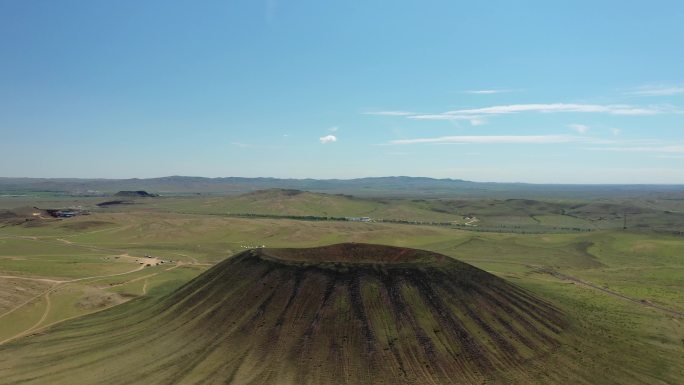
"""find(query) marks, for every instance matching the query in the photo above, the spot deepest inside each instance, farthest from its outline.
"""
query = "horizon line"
(348, 179)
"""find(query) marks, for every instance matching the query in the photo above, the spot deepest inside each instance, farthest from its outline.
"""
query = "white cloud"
(473, 119)
(333, 129)
(657, 90)
(616, 131)
(390, 113)
(328, 139)
(658, 149)
(476, 115)
(580, 128)
(613, 109)
(493, 139)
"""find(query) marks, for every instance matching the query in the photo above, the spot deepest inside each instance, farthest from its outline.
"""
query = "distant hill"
(25, 215)
(394, 186)
(482, 214)
(135, 194)
(284, 202)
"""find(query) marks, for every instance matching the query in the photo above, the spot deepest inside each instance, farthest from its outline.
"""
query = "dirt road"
(641, 302)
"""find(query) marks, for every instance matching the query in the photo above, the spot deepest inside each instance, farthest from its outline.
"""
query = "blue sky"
(525, 91)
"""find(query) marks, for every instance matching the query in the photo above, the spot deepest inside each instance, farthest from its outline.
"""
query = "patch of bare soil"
(97, 299)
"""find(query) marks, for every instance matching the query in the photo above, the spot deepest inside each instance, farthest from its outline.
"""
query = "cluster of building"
(358, 219)
(253, 247)
(67, 213)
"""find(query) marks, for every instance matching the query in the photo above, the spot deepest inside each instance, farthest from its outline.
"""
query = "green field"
(623, 290)
(503, 215)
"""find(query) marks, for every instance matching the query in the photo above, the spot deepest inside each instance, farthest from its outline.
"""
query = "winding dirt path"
(51, 241)
(37, 326)
(194, 260)
(641, 302)
(55, 283)
(48, 280)
(105, 276)
(58, 281)
(48, 307)
(28, 301)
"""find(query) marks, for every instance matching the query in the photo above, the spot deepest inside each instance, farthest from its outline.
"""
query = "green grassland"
(613, 340)
(541, 215)
(46, 200)
(502, 215)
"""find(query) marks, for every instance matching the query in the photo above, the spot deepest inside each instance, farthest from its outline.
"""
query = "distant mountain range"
(399, 186)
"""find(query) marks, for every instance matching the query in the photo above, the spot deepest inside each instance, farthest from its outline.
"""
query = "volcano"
(340, 314)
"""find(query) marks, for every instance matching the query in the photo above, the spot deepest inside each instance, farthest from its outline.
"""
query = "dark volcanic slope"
(341, 314)
(352, 254)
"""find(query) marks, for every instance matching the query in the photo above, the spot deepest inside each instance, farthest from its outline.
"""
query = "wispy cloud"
(616, 131)
(441, 117)
(656, 90)
(656, 149)
(475, 120)
(492, 139)
(242, 145)
(328, 139)
(580, 128)
(476, 116)
(613, 109)
(333, 129)
(487, 92)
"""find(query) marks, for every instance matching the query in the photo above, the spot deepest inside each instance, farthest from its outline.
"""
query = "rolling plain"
(92, 297)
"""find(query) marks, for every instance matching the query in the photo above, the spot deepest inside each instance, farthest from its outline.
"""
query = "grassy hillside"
(279, 202)
(617, 327)
(476, 214)
(481, 214)
(261, 319)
